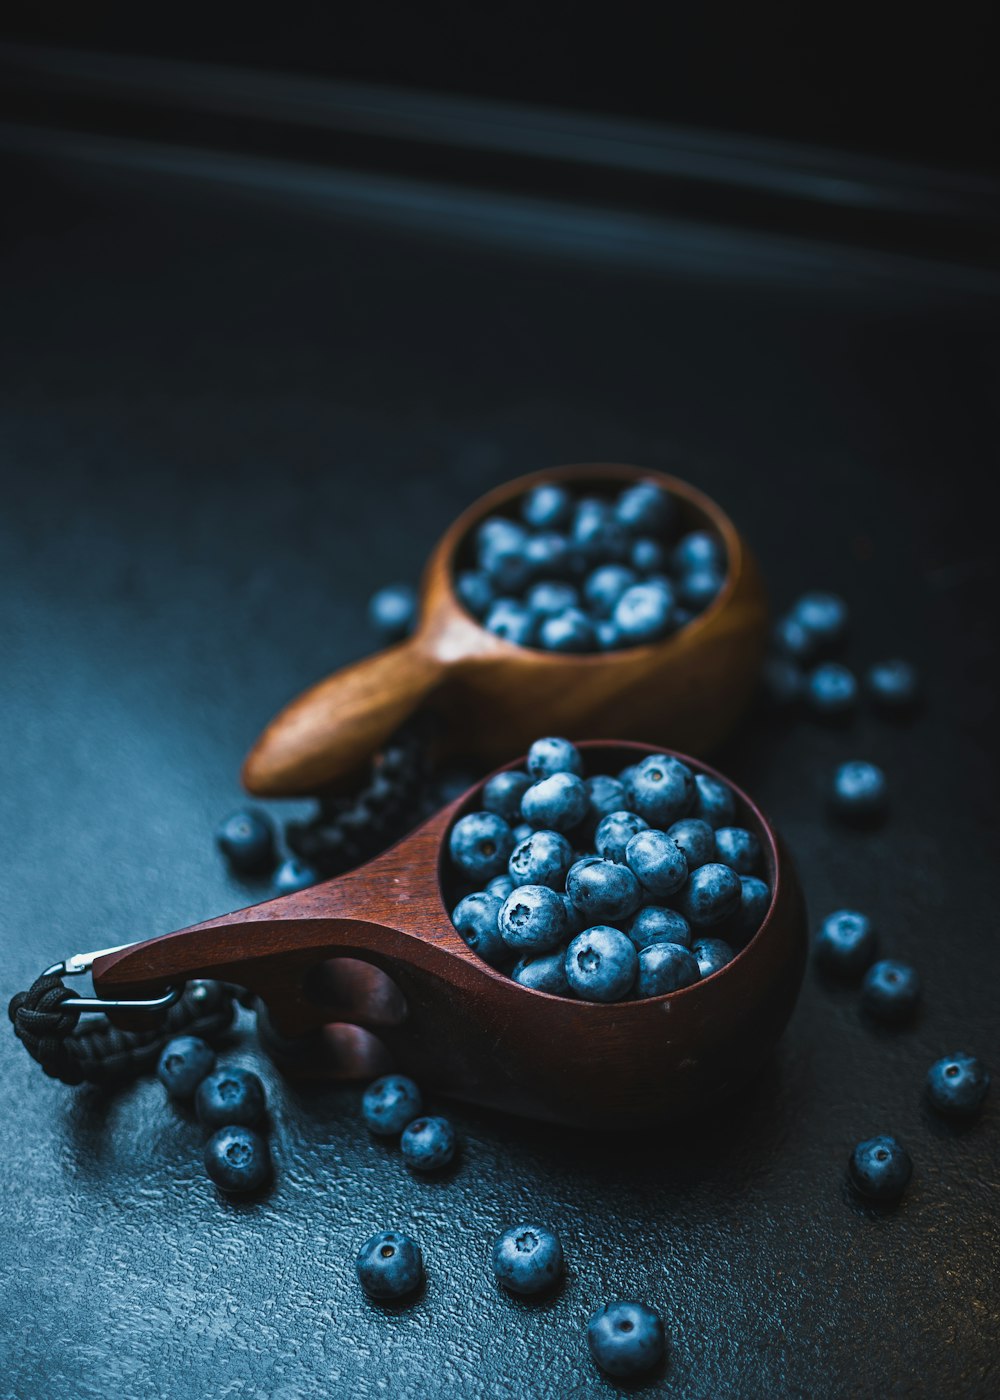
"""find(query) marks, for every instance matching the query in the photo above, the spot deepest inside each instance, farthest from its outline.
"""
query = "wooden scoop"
(367, 970)
(687, 690)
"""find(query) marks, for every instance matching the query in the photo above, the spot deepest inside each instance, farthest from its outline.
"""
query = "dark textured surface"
(220, 429)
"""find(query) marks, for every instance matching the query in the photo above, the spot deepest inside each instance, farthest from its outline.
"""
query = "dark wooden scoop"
(367, 970)
(495, 697)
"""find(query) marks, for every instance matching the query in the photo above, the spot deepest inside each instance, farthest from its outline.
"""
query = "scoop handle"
(330, 731)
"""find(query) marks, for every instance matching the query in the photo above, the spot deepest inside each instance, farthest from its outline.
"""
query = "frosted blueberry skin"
(521, 832)
(661, 790)
(656, 924)
(392, 612)
(711, 954)
(553, 755)
(477, 919)
(557, 803)
(544, 974)
(831, 691)
(511, 621)
(657, 862)
(543, 858)
(665, 967)
(643, 613)
(183, 1065)
(710, 896)
(957, 1084)
(237, 1160)
(860, 792)
(389, 1103)
(696, 839)
(480, 845)
(230, 1097)
(550, 597)
(893, 685)
(503, 885)
(389, 1265)
(755, 900)
(294, 874)
(602, 890)
(533, 919)
(547, 507)
(605, 585)
(824, 617)
(601, 964)
(475, 592)
(646, 508)
(890, 991)
(246, 840)
(648, 556)
(568, 631)
(846, 943)
(527, 1259)
(879, 1169)
(428, 1144)
(503, 792)
(614, 832)
(713, 801)
(604, 796)
(738, 848)
(626, 1339)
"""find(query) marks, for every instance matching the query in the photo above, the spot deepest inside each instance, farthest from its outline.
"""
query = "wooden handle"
(328, 733)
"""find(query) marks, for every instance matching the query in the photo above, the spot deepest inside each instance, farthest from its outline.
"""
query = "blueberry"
(543, 858)
(713, 801)
(648, 556)
(503, 885)
(548, 756)
(696, 839)
(427, 1144)
(229, 1097)
(575, 921)
(606, 585)
(547, 507)
(657, 862)
(521, 832)
(700, 550)
(503, 792)
(845, 943)
(893, 685)
(614, 832)
(860, 791)
(549, 555)
(665, 967)
(475, 591)
(646, 508)
(625, 1339)
(527, 1259)
(569, 630)
(294, 874)
(661, 790)
(506, 565)
(237, 1160)
(601, 964)
(476, 918)
(389, 1265)
(246, 839)
(545, 974)
(643, 613)
(755, 900)
(783, 682)
(558, 802)
(497, 532)
(597, 533)
(602, 890)
(711, 954)
(511, 621)
(183, 1065)
(604, 795)
(390, 1103)
(823, 615)
(654, 924)
(831, 691)
(957, 1084)
(392, 611)
(711, 894)
(606, 634)
(880, 1169)
(890, 990)
(550, 598)
(481, 844)
(738, 848)
(533, 919)
(697, 588)
(793, 640)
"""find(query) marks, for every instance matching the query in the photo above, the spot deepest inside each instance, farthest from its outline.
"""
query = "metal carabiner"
(80, 963)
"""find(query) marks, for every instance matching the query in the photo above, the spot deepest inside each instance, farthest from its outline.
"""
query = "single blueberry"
(551, 755)
(598, 534)
(624, 777)
(646, 508)
(392, 611)
(558, 803)
(697, 588)
(655, 924)
(711, 954)
(793, 640)
(648, 556)
(476, 918)
(427, 1144)
(549, 598)
(700, 550)
(614, 832)
(237, 1160)
(511, 621)
(845, 943)
(481, 844)
(503, 885)
(547, 507)
(880, 1169)
(696, 839)
(783, 682)
(831, 691)
(390, 1103)
(228, 1097)
(601, 964)
(497, 532)
(389, 1265)
(545, 974)
(890, 990)
(823, 615)
(568, 631)
(475, 591)
(183, 1065)
(643, 613)
(662, 790)
(957, 1084)
(602, 890)
(738, 848)
(503, 792)
(626, 1339)
(294, 874)
(657, 862)
(549, 555)
(543, 858)
(527, 1259)
(711, 894)
(893, 685)
(755, 900)
(665, 967)
(506, 565)
(533, 919)
(713, 801)
(860, 791)
(246, 839)
(604, 795)
(606, 585)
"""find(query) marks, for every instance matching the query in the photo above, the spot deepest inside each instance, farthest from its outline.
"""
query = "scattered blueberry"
(183, 1065)
(389, 1265)
(846, 943)
(557, 803)
(390, 1103)
(831, 691)
(824, 617)
(893, 685)
(481, 845)
(552, 755)
(860, 791)
(711, 954)
(392, 611)
(957, 1084)
(738, 848)
(545, 974)
(237, 1160)
(533, 919)
(880, 1169)
(712, 893)
(656, 924)
(503, 792)
(294, 874)
(528, 1259)
(890, 990)
(665, 967)
(794, 640)
(657, 861)
(246, 839)
(661, 789)
(427, 1144)
(614, 832)
(542, 858)
(601, 964)
(626, 1339)
(230, 1097)
(602, 890)
(477, 919)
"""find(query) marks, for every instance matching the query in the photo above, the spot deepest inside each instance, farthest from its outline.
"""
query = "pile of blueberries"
(606, 888)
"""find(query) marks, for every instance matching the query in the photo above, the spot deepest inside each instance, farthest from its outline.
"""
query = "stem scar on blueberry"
(387, 1251)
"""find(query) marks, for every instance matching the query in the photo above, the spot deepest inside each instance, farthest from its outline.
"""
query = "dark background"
(241, 386)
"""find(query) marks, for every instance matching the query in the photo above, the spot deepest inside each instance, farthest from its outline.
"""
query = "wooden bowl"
(366, 970)
(494, 696)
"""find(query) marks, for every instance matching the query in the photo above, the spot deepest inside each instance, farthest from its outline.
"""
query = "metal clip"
(80, 963)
